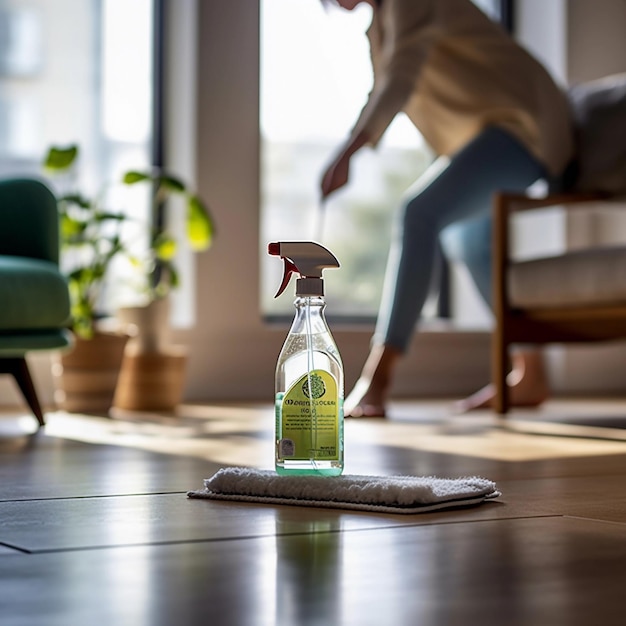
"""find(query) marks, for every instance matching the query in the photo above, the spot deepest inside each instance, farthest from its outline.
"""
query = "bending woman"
(496, 120)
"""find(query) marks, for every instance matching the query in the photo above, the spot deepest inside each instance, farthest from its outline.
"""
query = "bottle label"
(309, 419)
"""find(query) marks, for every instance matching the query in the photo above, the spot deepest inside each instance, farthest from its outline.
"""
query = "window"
(78, 71)
(315, 77)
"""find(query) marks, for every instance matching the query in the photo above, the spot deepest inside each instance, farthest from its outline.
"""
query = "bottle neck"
(316, 302)
(309, 318)
(309, 315)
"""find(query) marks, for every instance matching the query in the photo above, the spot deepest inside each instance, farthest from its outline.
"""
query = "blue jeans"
(450, 202)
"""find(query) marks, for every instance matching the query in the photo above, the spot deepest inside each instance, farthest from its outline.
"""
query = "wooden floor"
(96, 528)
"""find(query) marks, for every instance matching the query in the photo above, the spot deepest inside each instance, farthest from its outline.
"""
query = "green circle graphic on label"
(318, 389)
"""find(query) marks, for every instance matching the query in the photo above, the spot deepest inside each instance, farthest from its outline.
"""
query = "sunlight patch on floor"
(478, 439)
(229, 441)
(232, 435)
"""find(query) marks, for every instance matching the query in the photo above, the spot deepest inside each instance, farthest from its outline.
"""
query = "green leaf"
(171, 183)
(83, 325)
(99, 269)
(169, 278)
(174, 277)
(164, 247)
(199, 224)
(132, 177)
(103, 216)
(80, 275)
(75, 199)
(70, 228)
(60, 159)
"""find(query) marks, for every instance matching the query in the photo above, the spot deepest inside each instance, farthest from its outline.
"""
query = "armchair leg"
(500, 364)
(499, 348)
(18, 368)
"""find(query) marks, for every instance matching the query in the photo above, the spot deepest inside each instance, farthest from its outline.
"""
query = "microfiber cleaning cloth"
(383, 494)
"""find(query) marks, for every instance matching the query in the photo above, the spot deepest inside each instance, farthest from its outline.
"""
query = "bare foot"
(369, 395)
(364, 401)
(527, 385)
(484, 397)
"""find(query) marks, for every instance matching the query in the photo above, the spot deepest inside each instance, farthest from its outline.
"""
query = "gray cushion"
(599, 110)
(592, 277)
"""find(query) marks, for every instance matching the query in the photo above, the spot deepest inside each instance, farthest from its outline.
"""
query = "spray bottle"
(309, 372)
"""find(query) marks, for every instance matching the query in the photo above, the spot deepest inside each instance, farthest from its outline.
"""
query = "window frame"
(233, 349)
(442, 290)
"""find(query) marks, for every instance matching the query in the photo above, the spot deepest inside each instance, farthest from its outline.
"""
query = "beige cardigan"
(453, 72)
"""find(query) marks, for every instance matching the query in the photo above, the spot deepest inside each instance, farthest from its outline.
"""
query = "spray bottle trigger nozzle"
(290, 268)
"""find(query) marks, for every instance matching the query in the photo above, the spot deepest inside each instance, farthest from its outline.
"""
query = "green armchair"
(34, 296)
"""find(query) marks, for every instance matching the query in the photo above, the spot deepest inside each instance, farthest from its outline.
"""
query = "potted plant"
(91, 238)
(158, 274)
(153, 372)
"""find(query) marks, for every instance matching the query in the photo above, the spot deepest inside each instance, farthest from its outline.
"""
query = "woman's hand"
(338, 172)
